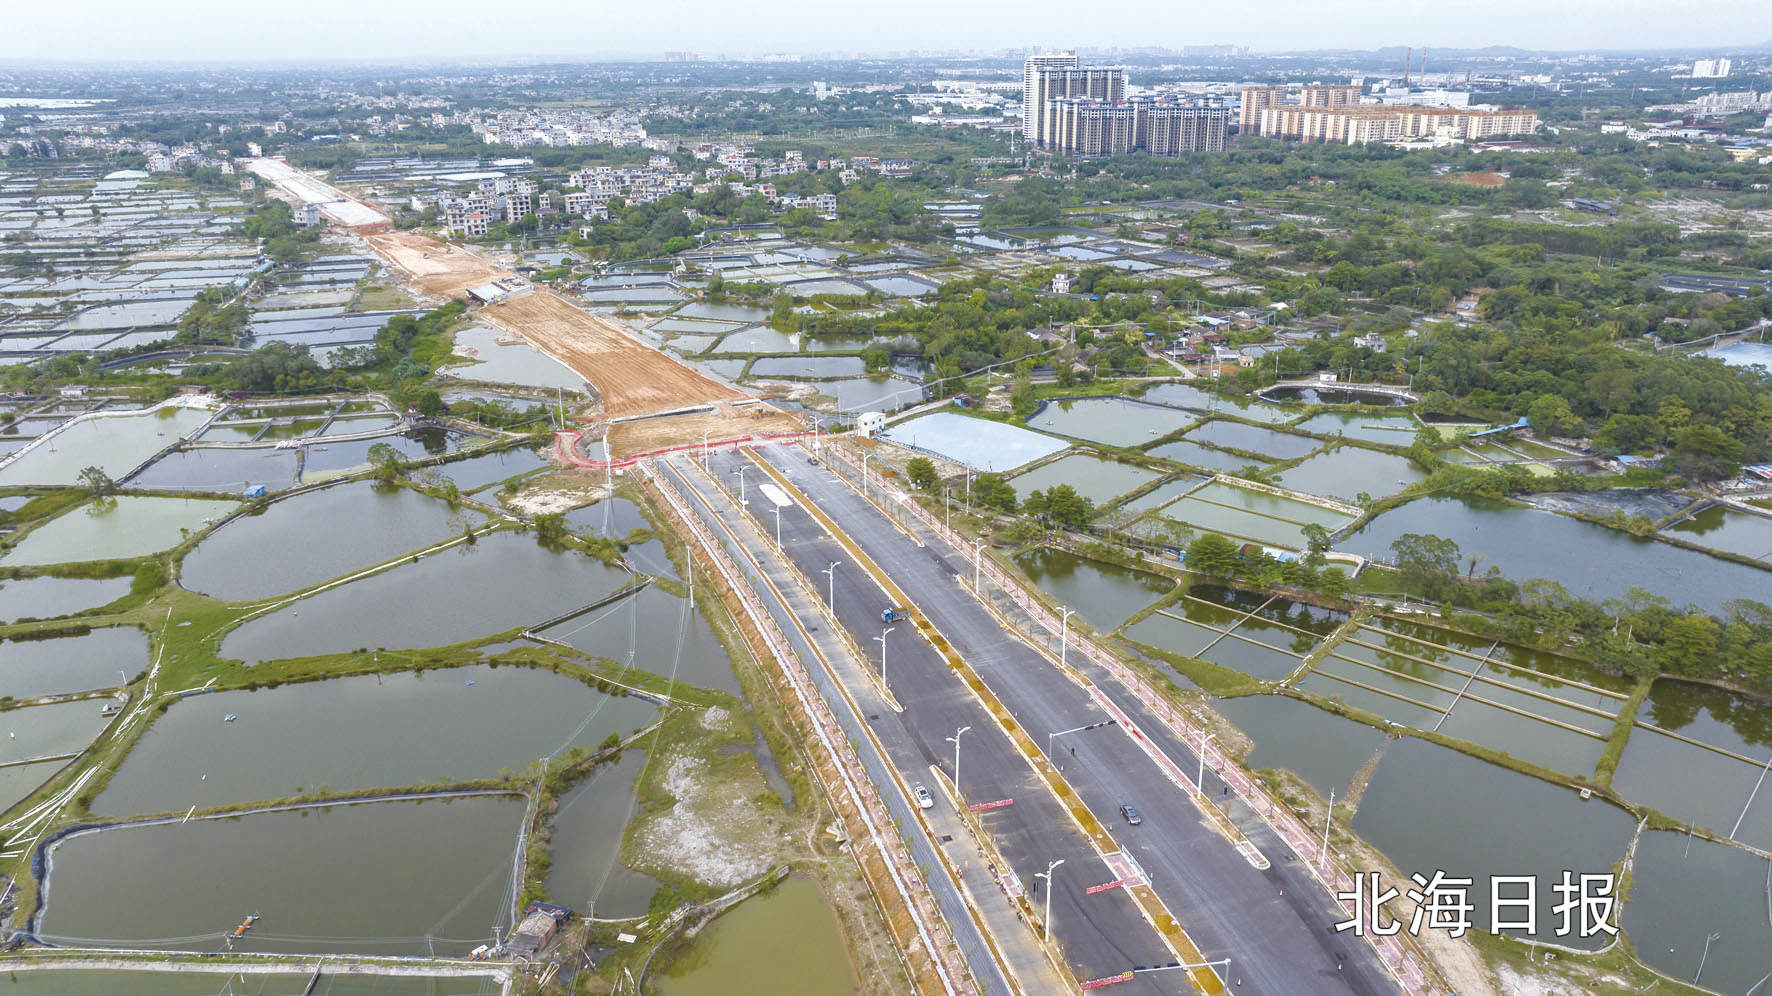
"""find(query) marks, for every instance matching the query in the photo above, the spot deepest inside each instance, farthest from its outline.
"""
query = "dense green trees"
(921, 471)
(1060, 504)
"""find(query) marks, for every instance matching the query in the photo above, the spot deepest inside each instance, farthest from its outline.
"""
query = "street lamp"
(778, 527)
(865, 457)
(831, 572)
(741, 471)
(881, 639)
(704, 452)
(1064, 634)
(1046, 922)
(955, 740)
(1200, 779)
(977, 562)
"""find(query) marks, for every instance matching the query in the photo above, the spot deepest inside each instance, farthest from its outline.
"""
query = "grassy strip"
(1621, 730)
(1214, 678)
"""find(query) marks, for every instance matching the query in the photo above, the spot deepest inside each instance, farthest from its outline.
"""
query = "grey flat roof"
(975, 442)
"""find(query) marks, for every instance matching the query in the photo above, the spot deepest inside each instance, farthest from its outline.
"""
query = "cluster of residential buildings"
(1078, 110)
(505, 199)
(1338, 113)
(741, 162)
(502, 199)
(557, 128)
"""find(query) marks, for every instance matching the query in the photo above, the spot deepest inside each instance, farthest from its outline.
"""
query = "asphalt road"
(1276, 926)
(1100, 935)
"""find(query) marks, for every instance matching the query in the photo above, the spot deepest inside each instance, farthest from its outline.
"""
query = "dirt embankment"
(633, 378)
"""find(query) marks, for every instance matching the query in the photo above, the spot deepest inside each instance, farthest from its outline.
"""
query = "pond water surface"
(382, 731)
(321, 879)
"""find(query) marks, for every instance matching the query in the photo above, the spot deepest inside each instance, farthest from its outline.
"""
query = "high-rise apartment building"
(1328, 94)
(1256, 99)
(1360, 124)
(1054, 85)
(1711, 69)
(1084, 127)
(1030, 108)
(1083, 111)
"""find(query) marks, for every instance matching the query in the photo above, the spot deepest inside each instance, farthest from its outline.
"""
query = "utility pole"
(1200, 779)
(831, 572)
(1064, 635)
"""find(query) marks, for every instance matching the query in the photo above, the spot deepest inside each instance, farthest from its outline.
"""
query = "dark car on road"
(1132, 815)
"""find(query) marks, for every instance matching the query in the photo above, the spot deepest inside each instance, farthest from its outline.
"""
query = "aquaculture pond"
(116, 444)
(47, 597)
(1334, 396)
(1391, 430)
(200, 469)
(509, 362)
(115, 529)
(1496, 822)
(1102, 594)
(321, 879)
(1114, 421)
(785, 941)
(587, 873)
(1729, 530)
(103, 658)
(1323, 749)
(386, 730)
(1204, 457)
(1683, 890)
(1346, 472)
(502, 581)
(20, 780)
(477, 471)
(51, 730)
(1187, 396)
(316, 536)
(655, 631)
(1715, 782)
(1591, 561)
(1254, 439)
(808, 367)
(1098, 480)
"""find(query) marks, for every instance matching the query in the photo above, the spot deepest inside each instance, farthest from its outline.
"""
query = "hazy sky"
(227, 30)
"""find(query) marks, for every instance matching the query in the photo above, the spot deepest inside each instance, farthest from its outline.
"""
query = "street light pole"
(704, 452)
(1064, 635)
(1046, 922)
(741, 471)
(882, 641)
(977, 562)
(778, 527)
(1328, 818)
(865, 457)
(955, 740)
(831, 572)
(1200, 779)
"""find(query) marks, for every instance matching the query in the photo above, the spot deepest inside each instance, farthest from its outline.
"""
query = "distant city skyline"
(329, 30)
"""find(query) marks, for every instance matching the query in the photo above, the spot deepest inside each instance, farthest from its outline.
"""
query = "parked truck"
(894, 615)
